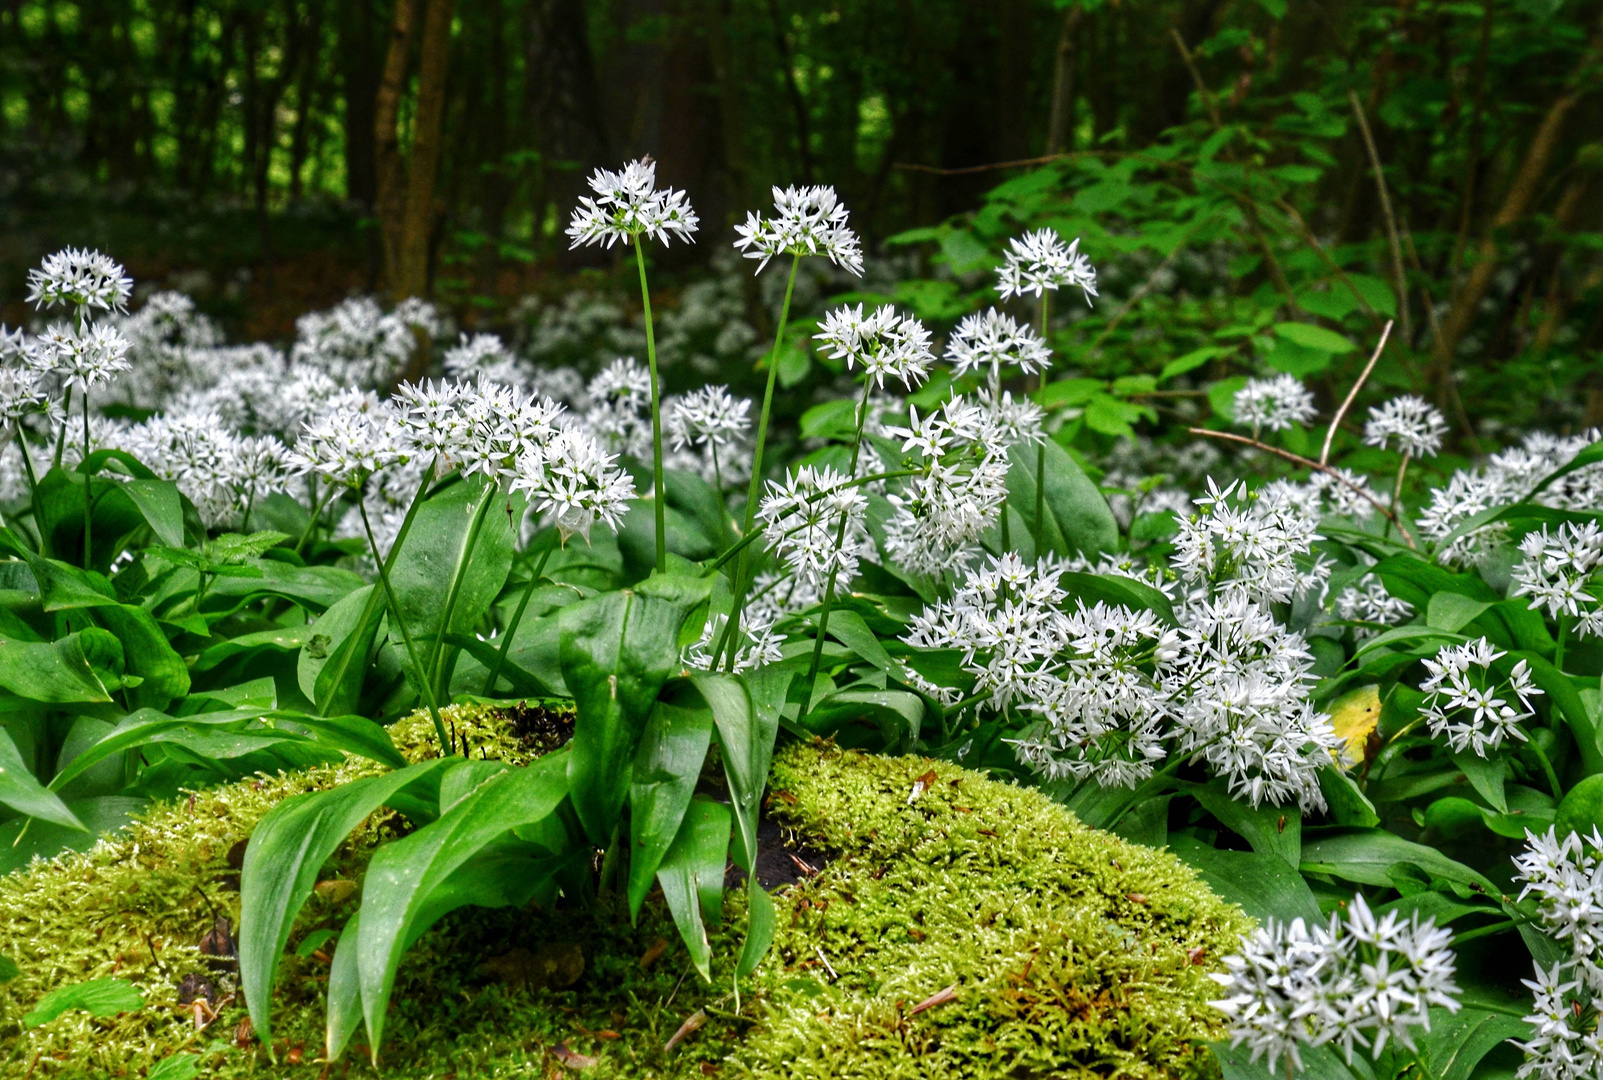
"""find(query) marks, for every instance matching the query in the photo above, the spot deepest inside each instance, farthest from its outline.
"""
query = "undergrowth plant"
(1359, 692)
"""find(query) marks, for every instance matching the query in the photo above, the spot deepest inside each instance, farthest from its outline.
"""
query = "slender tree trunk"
(423, 165)
(1060, 124)
(390, 171)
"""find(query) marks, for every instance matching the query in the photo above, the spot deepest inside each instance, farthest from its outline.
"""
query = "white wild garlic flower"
(80, 278)
(1039, 261)
(989, 341)
(629, 204)
(806, 221)
(1274, 404)
(884, 344)
(1557, 573)
(1410, 424)
(1469, 704)
(803, 516)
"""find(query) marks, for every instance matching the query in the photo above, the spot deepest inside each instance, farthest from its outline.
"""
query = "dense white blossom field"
(1373, 722)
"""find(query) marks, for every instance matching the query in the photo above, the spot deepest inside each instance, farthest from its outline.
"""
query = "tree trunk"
(412, 266)
(359, 76)
(1060, 123)
(562, 100)
(389, 171)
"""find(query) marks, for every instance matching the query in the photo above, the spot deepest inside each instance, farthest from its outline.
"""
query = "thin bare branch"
(1400, 275)
(1330, 435)
(1298, 459)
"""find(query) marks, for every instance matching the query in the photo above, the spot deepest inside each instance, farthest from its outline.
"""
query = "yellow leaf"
(1355, 715)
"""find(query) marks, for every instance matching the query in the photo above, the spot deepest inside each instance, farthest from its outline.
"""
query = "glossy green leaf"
(148, 655)
(1582, 808)
(315, 588)
(898, 714)
(1078, 520)
(344, 1004)
(692, 877)
(162, 507)
(1263, 885)
(1365, 856)
(142, 727)
(1456, 1042)
(286, 852)
(97, 997)
(1486, 776)
(351, 734)
(441, 553)
(667, 766)
(334, 661)
(1310, 336)
(24, 839)
(1319, 1063)
(412, 882)
(747, 715)
(617, 649)
(1271, 830)
(22, 792)
(53, 672)
(761, 920)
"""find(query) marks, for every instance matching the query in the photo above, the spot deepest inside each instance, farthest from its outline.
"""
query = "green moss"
(1071, 952)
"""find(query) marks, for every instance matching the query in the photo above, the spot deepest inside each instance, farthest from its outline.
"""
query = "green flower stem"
(840, 540)
(454, 591)
(33, 491)
(322, 505)
(1558, 648)
(661, 492)
(61, 435)
(1547, 767)
(427, 687)
(1040, 451)
(744, 572)
(88, 500)
(517, 617)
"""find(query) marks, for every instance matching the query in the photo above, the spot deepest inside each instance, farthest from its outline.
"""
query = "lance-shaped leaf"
(21, 791)
(288, 848)
(344, 1010)
(617, 649)
(148, 655)
(417, 879)
(692, 877)
(666, 768)
(760, 922)
(54, 672)
(334, 660)
(747, 715)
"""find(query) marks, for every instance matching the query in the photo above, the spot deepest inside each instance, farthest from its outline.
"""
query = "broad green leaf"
(97, 997)
(1078, 520)
(21, 791)
(1485, 776)
(24, 839)
(286, 852)
(147, 654)
(848, 628)
(1263, 885)
(162, 507)
(1192, 360)
(63, 587)
(399, 898)
(760, 922)
(1452, 611)
(344, 1006)
(692, 877)
(1310, 336)
(352, 734)
(1582, 808)
(1319, 1063)
(1365, 856)
(286, 639)
(334, 661)
(1563, 695)
(1348, 805)
(1271, 830)
(146, 726)
(617, 649)
(315, 588)
(1117, 589)
(897, 714)
(667, 765)
(1456, 1042)
(178, 1066)
(747, 715)
(53, 672)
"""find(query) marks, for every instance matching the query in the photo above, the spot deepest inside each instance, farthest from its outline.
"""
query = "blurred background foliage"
(1218, 157)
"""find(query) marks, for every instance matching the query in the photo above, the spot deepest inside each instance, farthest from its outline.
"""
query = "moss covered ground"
(958, 928)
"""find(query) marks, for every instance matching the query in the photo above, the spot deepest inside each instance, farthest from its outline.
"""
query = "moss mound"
(961, 928)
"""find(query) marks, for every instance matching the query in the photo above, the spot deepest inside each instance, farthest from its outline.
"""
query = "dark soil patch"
(781, 861)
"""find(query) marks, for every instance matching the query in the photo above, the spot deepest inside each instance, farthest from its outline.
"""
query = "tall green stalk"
(661, 492)
(743, 571)
(33, 491)
(840, 541)
(1040, 451)
(437, 649)
(517, 618)
(88, 500)
(424, 684)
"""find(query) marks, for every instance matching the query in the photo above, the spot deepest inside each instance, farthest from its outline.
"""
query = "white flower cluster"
(806, 221)
(358, 344)
(989, 341)
(1358, 982)
(1508, 477)
(620, 407)
(1468, 704)
(759, 646)
(223, 473)
(1273, 404)
(884, 344)
(484, 356)
(80, 279)
(1367, 601)
(957, 492)
(1558, 573)
(1118, 692)
(706, 428)
(1565, 876)
(1039, 261)
(628, 204)
(803, 517)
(1256, 541)
(1409, 423)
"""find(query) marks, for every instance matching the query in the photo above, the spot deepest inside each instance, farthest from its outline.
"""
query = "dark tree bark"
(358, 47)
(390, 171)
(562, 99)
(1060, 122)
(410, 276)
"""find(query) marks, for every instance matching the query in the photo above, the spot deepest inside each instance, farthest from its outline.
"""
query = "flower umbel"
(628, 204)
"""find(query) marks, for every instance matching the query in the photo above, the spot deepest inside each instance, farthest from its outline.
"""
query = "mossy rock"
(960, 927)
